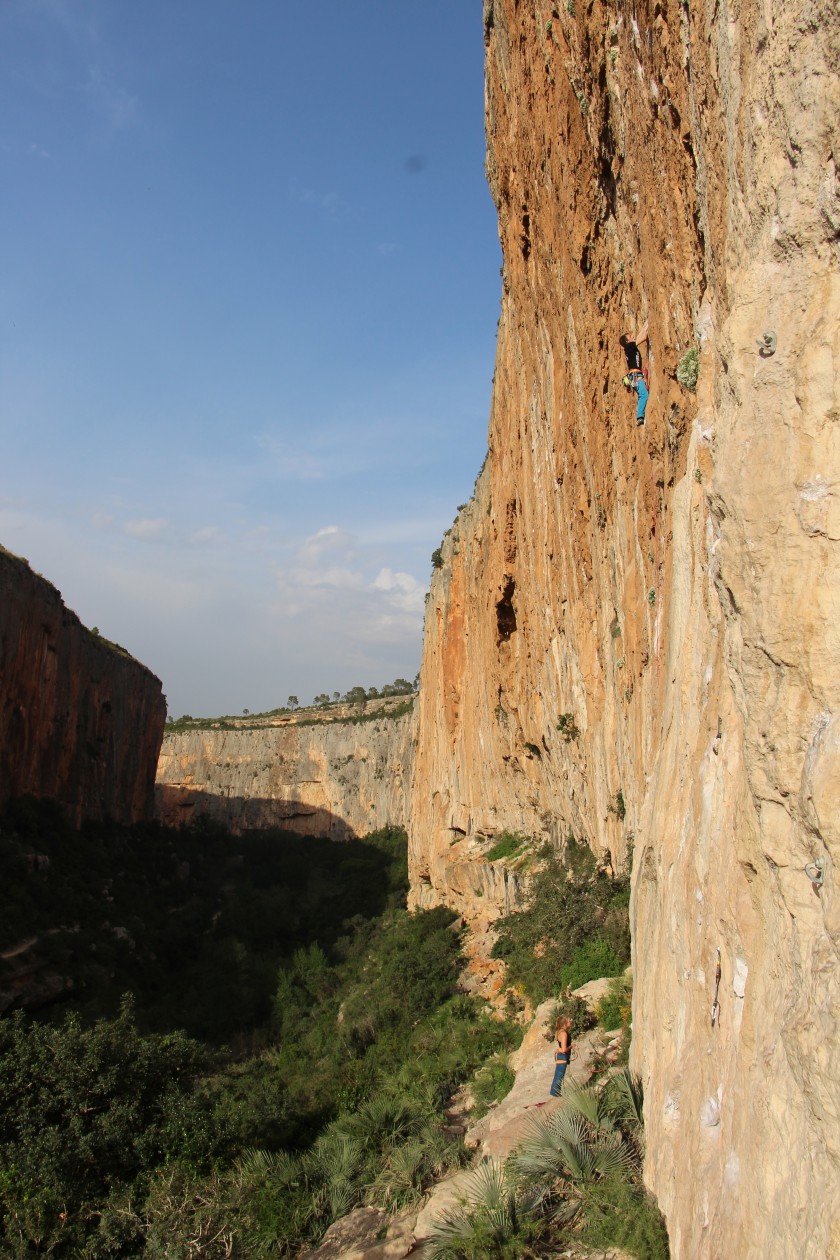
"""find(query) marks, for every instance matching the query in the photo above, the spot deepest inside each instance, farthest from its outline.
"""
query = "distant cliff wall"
(655, 611)
(326, 778)
(81, 722)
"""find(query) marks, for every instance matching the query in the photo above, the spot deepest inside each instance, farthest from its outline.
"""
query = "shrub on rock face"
(564, 915)
(591, 961)
(688, 369)
(613, 1010)
(572, 1008)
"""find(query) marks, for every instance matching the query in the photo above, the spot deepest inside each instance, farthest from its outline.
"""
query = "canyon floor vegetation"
(575, 1177)
(242, 1038)
(290, 1038)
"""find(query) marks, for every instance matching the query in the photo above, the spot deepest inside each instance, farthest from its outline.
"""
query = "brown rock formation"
(80, 720)
(666, 596)
(325, 778)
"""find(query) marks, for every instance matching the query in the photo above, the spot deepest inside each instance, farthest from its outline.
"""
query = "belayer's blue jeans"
(559, 1072)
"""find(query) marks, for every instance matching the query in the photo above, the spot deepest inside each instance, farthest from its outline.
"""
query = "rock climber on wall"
(636, 375)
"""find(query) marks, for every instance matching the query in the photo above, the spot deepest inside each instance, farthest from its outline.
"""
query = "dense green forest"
(248, 1036)
(290, 1038)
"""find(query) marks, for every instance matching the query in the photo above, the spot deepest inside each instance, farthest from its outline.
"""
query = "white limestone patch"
(739, 977)
(710, 1112)
(671, 1109)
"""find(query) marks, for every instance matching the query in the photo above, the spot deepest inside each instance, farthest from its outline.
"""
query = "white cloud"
(146, 529)
(338, 578)
(210, 533)
(403, 591)
(228, 616)
(329, 539)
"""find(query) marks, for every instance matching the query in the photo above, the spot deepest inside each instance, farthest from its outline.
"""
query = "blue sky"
(249, 284)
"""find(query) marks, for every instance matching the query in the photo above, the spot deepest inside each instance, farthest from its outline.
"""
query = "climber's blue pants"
(642, 391)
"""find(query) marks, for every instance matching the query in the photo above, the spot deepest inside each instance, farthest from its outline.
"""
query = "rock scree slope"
(654, 611)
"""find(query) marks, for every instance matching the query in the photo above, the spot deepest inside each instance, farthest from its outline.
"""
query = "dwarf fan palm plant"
(496, 1219)
(625, 1098)
(384, 1118)
(400, 1180)
(566, 1146)
(563, 1158)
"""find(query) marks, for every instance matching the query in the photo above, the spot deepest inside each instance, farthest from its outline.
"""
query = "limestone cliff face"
(336, 778)
(80, 721)
(667, 595)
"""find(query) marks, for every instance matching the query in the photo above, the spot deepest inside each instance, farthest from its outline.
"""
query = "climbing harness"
(716, 1003)
(631, 379)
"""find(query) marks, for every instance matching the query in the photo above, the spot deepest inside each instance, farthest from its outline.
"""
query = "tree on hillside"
(85, 1111)
(292, 702)
(321, 700)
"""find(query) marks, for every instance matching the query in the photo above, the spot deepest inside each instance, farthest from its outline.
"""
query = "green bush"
(581, 1165)
(688, 368)
(617, 806)
(205, 917)
(493, 1083)
(614, 1008)
(119, 1142)
(563, 914)
(574, 1009)
(591, 961)
(85, 1111)
(494, 1221)
(508, 845)
(620, 1213)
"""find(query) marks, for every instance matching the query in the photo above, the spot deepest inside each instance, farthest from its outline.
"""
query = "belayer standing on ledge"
(636, 375)
(562, 1054)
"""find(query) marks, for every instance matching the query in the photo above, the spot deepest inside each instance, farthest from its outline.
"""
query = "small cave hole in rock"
(525, 239)
(505, 614)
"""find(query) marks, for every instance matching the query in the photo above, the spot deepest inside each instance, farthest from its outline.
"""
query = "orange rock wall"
(669, 594)
(80, 721)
